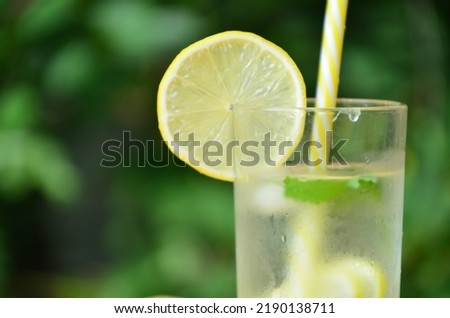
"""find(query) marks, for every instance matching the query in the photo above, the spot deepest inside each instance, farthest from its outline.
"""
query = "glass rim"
(363, 104)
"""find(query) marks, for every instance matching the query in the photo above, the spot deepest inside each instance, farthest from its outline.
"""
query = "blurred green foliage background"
(74, 74)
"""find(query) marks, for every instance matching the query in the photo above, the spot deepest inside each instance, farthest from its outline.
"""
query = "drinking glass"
(327, 220)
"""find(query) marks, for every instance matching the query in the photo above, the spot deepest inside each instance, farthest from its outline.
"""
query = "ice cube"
(269, 199)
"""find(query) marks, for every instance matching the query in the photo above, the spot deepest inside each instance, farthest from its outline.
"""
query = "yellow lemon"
(352, 277)
(225, 90)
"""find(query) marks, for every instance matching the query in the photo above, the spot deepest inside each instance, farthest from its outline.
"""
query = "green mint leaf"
(369, 184)
(322, 190)
(313, 191)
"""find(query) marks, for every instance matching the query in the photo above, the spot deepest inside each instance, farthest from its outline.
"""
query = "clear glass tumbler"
(326, 222)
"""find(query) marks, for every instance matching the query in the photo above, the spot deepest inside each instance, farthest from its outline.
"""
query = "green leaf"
(32, 161)
(137, 29)
(19, 107)
(72, 69)
(323, 190)
(45, 17)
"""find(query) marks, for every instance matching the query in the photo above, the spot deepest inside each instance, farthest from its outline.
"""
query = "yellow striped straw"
(328, 77)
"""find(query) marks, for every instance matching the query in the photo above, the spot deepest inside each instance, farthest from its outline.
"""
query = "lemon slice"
(303, 255)
(221, 97)
(352, 277)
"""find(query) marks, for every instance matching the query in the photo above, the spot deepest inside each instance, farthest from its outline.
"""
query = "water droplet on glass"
(367, 161)
(354, 114)
(283, 238)
(336, 116)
